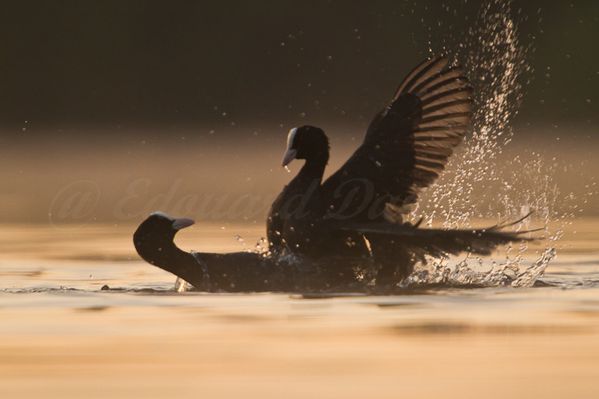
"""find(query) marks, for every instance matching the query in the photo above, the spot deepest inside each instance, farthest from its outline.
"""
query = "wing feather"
(450, 77)
(407, 145)
(423, 72)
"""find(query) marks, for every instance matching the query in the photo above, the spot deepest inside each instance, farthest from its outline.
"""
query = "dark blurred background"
(111, 91)
(133, 64)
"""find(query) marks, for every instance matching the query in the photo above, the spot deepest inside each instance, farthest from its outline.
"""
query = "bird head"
(159, 230)
(305, 142)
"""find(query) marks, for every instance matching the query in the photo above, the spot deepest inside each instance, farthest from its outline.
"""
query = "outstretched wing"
(406, 147)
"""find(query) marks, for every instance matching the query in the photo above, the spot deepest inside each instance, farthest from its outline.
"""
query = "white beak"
(288, 157)
(182, 223)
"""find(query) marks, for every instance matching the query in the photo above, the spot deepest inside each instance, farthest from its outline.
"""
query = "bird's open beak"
(288, 157)
(182, 223)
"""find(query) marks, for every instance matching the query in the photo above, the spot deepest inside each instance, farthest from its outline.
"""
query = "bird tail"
(439, 242)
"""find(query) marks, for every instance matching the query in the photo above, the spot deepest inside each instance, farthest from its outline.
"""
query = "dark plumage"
(295, 223)
(238, 271)
(241, 271)
(253, 272)
(333, 233)
(405, 149)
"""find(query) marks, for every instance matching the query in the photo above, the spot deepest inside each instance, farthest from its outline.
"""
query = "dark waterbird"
(360, 210)
(255, 272)
(353, 223)
(242, 271)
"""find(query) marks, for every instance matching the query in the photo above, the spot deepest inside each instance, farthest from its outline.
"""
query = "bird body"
(406, 147)
(257, 272)
(296, 222)
(243, 271)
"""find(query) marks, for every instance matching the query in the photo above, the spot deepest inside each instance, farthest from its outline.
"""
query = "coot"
(360, 210)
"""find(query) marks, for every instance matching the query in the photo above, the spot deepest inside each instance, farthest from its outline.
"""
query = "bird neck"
(166, 255)
(315, 166)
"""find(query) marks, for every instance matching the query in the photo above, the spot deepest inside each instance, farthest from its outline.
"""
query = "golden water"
(61, 336)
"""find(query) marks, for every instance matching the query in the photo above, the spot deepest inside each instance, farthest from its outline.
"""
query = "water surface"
(62, 336)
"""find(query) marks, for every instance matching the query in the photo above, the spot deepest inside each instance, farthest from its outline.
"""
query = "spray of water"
(495, 63)
(488, 186)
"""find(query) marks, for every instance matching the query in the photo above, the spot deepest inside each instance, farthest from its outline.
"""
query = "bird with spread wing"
(360, 210)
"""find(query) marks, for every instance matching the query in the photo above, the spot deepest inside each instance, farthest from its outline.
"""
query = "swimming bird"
(256, 272)
(361, 208)
(240, 271)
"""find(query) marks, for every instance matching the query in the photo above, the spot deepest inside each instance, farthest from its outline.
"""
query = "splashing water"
(181, 285)
(496, 63)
